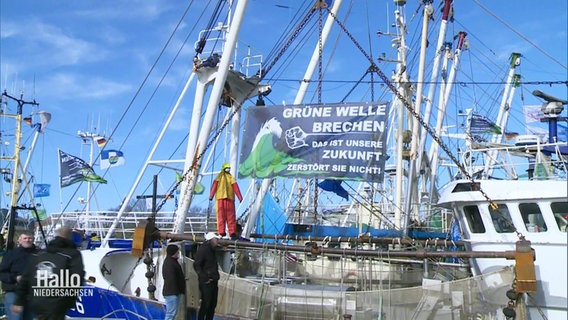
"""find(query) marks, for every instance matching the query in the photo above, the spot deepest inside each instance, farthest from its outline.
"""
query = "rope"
(212, 20)
(533, 301)
(521, 35)
(131, 103)
(416, 115)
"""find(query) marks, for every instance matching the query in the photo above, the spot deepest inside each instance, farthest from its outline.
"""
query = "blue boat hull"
(107, 304)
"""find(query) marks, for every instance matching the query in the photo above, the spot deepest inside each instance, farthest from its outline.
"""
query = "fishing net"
(385, 292)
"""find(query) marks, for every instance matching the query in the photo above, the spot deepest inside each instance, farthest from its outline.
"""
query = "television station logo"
(58, 284)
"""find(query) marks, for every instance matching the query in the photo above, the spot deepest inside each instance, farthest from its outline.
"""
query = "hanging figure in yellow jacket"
(224, 189)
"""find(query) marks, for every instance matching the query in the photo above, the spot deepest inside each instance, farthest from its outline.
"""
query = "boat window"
(532, 217)
(502, 219)
(465, 187)
(473, 218)
(560, 210)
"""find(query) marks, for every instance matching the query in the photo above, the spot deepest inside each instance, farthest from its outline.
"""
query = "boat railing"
(211, 43)
(251, 62)
(100, 221)
(376, 215)
(543, 161)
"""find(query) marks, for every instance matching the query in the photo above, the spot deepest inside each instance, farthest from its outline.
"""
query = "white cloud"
(126, 10)
(77, 86)
(64, 48)
(46, 45)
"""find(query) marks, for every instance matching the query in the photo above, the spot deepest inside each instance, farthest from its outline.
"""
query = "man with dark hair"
(207, 269)
(11, 270)
(61, 257)
(174, 281)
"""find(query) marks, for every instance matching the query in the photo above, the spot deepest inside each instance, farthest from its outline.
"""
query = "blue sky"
(84, 61)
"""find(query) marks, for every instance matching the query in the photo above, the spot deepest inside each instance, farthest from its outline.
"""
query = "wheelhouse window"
(473, 218)
(532, 217)
(502, 219)
(560, 211)
(466, 187)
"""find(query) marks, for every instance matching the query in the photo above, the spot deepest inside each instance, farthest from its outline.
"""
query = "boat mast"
(443, 104)
(36, 136)
(146, 163)
(220, 78)
(403, 88)
(416, 164)
(92, 138)
(15, 189)
(504, 110)
(200, 127)
(411, 184)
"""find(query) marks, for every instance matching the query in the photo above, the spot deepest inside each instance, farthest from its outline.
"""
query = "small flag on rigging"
(73, 169)
(533, 113)
(335, 187)
(481, 124)
(197, 189)
(101, 141)
(41, 190)
(42, 214)
(44, 118)
(111, 158)
(511, 135)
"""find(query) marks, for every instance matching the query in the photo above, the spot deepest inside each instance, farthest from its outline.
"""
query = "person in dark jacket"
(11, 270)
(61, 257)
(174, 281)
(207, 269)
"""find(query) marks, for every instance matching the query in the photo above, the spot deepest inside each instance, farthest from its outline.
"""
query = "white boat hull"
(549, 241)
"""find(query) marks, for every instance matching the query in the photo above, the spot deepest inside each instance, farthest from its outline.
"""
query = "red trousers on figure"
(226, 214)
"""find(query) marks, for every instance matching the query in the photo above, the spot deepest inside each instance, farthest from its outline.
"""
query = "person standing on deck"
(224, 189)
(205, 264)
(60, 257)
(11, 270)
(174, 281)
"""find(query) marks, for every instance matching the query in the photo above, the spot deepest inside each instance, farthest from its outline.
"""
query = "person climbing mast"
(224, 189)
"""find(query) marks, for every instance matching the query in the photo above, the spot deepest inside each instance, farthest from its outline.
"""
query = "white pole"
(217, 90)
(432, 86)
(442, 110)
(148, 159)
(401, 78)
(504, 110)
(411, 182)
